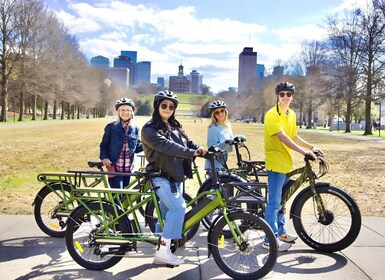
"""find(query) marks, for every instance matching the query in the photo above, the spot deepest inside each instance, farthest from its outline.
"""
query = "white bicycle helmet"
(124, 101)
(166, 94)
(216, 105)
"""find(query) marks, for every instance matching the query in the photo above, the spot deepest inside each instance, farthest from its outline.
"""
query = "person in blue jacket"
(120, 143)
(219, 130)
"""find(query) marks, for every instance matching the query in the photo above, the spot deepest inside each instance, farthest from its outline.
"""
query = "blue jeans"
(172, 207)
(119, 182)
(273, 215)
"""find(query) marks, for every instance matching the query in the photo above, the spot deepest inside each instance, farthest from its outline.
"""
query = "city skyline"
(206, 36)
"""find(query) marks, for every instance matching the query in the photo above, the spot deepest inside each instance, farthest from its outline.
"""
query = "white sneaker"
(163, 254)
(281, 246)
(287, 238)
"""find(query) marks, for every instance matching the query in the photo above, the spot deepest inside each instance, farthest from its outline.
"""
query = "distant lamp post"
(379, 124)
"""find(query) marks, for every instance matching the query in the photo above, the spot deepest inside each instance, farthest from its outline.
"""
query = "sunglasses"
(288, 94)
(219, 112)
(164, 107)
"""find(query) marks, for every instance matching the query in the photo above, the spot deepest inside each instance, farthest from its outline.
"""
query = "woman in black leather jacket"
(168, 150)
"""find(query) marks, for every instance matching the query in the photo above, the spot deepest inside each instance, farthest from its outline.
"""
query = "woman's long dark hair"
(166, 129)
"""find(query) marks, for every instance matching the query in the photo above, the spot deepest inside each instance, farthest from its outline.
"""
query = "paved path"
(27, 253)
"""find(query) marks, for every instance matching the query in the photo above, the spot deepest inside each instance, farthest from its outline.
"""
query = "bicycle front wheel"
(248, 259)
(81, 237)
(341, 225)
(52, 207)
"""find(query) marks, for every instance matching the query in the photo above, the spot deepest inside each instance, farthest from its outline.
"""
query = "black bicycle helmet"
(285, 86)
(124, 101)
(216, 105)
(166, 94)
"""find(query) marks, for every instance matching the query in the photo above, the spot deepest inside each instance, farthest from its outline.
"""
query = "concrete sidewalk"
(27, 253)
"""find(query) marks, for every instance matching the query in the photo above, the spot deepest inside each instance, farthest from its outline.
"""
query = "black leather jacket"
(172, 157)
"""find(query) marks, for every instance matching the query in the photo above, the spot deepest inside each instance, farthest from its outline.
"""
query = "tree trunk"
(54, 109)
(309, 113)
(348, 116)
(21, 106)
(4, 98)
(45, 110)
(34, 105)
(78, 115)
(62, 110)
(68, 111)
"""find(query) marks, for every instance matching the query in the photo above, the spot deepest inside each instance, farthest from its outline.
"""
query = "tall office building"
(143, 73)
(260, 76)
(247, 73)
(196, 81)
(120, 77)
(131, 54)
(278, 71)
(160, 82)
(126, 62)
(100, 62)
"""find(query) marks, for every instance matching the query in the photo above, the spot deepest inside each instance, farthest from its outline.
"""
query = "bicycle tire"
(343, 219)
(80, 239)
(152, 219)
(249, 260)
(47, 205)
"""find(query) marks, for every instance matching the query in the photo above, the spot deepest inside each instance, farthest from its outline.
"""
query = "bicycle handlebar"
(236, 139)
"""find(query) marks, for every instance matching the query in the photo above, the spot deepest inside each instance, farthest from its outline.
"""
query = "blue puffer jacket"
(113, 139)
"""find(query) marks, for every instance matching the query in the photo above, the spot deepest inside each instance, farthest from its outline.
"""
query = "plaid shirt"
(123, 164)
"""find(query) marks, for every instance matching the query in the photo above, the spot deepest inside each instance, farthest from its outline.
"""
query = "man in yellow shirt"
(280, 139)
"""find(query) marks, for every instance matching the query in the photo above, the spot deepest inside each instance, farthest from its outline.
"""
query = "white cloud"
(168, 36)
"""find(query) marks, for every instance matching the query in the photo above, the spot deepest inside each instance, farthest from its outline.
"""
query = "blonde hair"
(214, 119)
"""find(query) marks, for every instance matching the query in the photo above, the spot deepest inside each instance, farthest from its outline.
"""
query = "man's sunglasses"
(288, 94)
(164, 107)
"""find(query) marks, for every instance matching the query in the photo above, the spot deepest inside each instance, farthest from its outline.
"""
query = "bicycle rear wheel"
(52, 207)
(81, 237)
(341, 226)
(249, 260)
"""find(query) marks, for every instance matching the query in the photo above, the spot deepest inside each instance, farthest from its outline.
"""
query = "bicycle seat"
(97, 164)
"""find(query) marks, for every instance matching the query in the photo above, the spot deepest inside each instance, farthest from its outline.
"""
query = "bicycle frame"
(212, 199)
(306, 174)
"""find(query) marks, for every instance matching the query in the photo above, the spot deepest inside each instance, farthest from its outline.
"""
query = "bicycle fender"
(316, 185)
(66, 186)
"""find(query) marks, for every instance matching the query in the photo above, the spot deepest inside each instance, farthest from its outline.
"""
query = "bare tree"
(9, 51)
(372, 36)
(344, 44)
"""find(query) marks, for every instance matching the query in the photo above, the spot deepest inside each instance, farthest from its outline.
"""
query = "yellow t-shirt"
(278, 155)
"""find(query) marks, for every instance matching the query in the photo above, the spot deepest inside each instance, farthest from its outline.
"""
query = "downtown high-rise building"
(143, 73)
(100, 62)
(247, 72)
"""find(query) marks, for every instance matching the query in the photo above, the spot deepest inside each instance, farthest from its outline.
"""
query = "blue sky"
(205, 35)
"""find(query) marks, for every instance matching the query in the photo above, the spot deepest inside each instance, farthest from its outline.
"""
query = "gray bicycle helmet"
(166, 94)
(124, 101)
(216, 105)
(285, 86)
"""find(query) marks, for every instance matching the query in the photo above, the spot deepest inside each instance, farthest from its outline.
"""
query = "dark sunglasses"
(164, 107)
(219, 112)
(288, 94)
